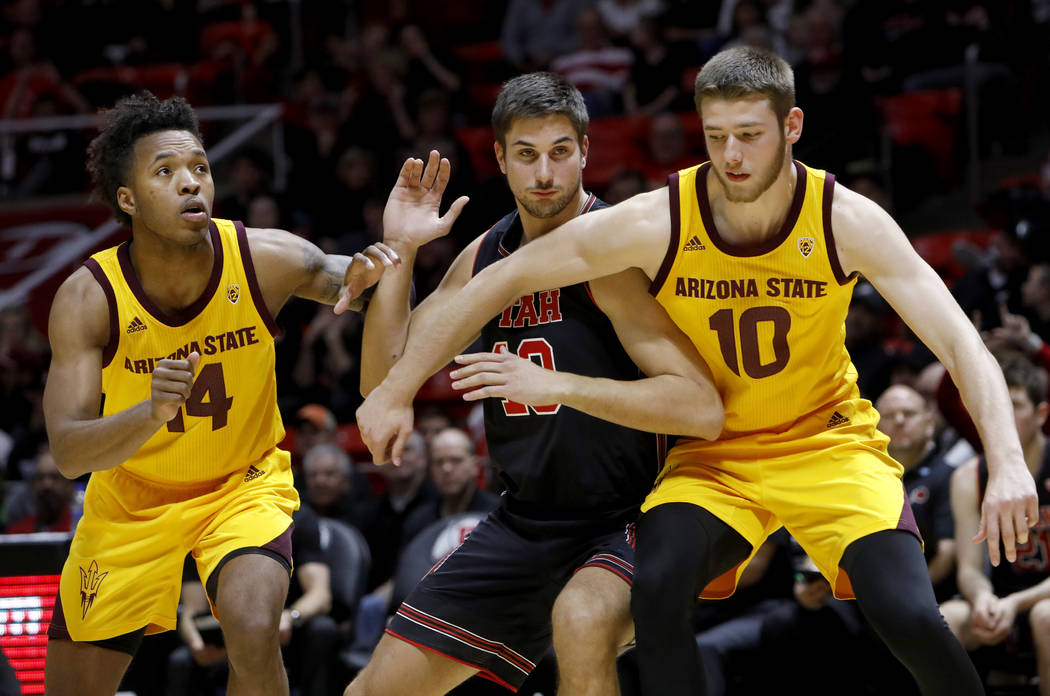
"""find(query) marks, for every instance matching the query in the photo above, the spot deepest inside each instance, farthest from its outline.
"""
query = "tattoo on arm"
(326, 273)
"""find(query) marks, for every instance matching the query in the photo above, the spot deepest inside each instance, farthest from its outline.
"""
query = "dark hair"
(1020, 372)
(746, 71)
(535, 95)
(133, 118)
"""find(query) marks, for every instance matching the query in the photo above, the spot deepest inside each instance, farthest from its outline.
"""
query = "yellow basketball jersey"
(230, 420)
(767, 318)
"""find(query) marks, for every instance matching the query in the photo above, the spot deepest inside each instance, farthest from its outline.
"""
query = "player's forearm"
(387, 321)
(973, 583)
(943, 562)
(436, 337)
(662, 404)
(1027, 598)
(983, 392)
(314, 602)
(80, 447)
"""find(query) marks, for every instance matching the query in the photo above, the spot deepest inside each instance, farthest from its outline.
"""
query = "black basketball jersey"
(564, 462)
(1033, 558)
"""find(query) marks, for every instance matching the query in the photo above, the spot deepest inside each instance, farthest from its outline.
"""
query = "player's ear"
(793, 125)
(126, 200)
(585, 145)
(501, 158)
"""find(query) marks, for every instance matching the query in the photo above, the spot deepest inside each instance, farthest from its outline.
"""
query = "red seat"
(928, 119)
(938, 249)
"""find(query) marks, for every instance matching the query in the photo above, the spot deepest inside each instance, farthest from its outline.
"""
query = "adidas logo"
(253, 473)
(136, 325)
(694, 244)
(836, 420)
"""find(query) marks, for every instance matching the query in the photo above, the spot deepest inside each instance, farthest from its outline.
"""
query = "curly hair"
(134, 117)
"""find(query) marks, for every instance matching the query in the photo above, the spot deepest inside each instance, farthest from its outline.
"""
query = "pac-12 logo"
(233, 293)
(805, 246)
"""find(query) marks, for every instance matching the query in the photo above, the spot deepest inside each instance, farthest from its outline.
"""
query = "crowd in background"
(364, 85)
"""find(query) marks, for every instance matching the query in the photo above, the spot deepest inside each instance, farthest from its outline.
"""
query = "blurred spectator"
(951, 446)
(907, 419)
(622, 17)
(333, 487)
(865, 321)
(454, 469)
(431, 421)
(626, 183)
(328, 364)
(30, 78)
(263, 212)
(408, 488)
(425, 69)
(597, 68)
(535, 31)
(249, 178)
(668, 149)
(996, 280)
(654, 83)
(49, 506)
(1008, 607)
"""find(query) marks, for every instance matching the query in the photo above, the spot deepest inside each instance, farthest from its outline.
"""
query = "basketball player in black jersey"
(1014, 599)
(555, 561)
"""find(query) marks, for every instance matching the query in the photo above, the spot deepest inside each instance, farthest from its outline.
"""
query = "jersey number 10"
(722, 323)
(211, 383)
(530, 348)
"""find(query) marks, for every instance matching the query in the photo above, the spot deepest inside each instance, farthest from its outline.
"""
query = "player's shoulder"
(854, 212)
(82, 308)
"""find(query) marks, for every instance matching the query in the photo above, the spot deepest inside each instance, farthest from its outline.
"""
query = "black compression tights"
(682, 547)
(889, 577)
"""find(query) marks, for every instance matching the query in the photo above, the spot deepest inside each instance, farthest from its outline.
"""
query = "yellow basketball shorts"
(124, 570)
(826, 497)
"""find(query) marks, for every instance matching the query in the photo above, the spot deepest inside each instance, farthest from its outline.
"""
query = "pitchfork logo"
(90, 580)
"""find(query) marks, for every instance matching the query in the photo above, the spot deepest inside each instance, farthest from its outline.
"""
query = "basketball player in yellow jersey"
(754, 256)
(162, 386)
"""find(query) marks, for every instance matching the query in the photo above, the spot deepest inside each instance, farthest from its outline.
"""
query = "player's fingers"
(480, 379)
(444, 172)
(471, 358)
(474, 368)
(372, 251)
(482, 393)
(991, 529)
(431, 171)
(454, 210)
(343, 303)
(981, 532)
(1020, 524)
(394, 257)
(363, 260)
(404, 177)
(398, 448)
(1008, 535)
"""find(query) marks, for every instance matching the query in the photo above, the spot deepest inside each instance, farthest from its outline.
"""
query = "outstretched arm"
(676, 396)
(600, 243)
(410, 220)
(869, 241)
(288, 265)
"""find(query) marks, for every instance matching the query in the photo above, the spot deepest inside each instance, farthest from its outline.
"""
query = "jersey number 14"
(210, 383)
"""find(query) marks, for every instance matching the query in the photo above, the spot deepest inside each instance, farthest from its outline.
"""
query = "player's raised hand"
(1009, 508)
(385, 422)
(506, 376)
(365, 269)
(411, 213)
(171, 384)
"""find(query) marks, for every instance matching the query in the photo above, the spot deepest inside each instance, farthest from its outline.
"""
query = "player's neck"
(173, 276)
(755, 221)
(535, 227)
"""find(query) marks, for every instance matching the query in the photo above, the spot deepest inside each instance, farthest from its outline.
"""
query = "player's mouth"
(737, 177)
(545, 193)
(194, 211)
